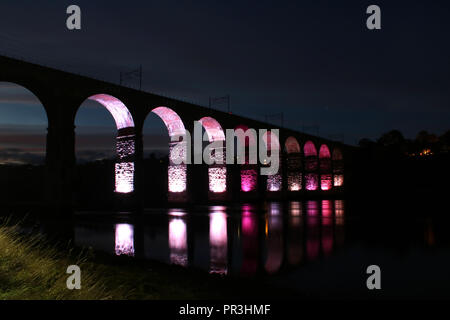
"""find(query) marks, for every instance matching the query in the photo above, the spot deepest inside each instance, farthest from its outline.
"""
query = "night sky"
(313, 60)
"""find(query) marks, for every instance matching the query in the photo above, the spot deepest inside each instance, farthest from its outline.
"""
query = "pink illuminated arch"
(325, 167)
(118, 110)
(125, 144)
(292, 145)
(249, 175)
(310, 149)
(172, 121)
(176, 172)
(271, 139)
(213, 129)
(250, 140)
(324, 152)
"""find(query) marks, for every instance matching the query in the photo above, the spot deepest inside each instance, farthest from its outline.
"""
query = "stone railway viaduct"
(310, 165)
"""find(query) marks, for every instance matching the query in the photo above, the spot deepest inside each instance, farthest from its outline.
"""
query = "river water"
(315, 247)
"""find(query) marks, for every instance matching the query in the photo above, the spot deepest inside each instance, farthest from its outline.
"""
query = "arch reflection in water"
(295, 208)
(295, 233)
(218, 240)
(249, 227)
(124, 239)
(274, 238)
(178, 240)
(313, 231)
(339, 221)
(327, 227)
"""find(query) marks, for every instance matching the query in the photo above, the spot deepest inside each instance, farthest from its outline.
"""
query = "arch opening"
(23, 144)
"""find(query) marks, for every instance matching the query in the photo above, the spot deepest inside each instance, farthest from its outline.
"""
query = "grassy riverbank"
(30, 268)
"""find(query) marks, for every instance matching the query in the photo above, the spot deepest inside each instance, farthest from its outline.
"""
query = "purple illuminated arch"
(125, 144)
(249, 175)
(173, 122)
(217, 174)
(311, 176)
(292, 145)
(118, 110)
(176, 172)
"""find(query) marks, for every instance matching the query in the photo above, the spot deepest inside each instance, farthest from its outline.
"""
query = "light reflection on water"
(178, 241)
(218, 240)
(124, 241)
(247, 240)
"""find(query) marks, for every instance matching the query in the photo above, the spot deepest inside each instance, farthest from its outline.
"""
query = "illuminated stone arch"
(338, 167)
(177, 177)
(294, 164)
(292, 145)
(249, 172)
(125, 143)
(311, 176)
(217, 173)
(325, 167)
(274, 182)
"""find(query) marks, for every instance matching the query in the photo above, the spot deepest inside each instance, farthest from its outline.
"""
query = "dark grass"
(33, 269)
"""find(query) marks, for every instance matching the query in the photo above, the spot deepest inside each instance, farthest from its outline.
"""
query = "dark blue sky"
(314, 60)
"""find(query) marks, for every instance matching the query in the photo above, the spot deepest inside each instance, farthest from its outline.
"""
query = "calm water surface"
(314, 247)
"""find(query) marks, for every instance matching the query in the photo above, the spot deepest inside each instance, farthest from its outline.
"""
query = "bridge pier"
(60, 161)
